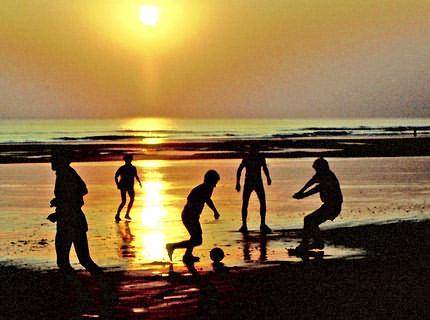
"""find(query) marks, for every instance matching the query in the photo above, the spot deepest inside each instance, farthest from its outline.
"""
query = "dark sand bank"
(273, 148)
(392, 282)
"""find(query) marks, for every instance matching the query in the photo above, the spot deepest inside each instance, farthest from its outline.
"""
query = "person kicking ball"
(196, 200)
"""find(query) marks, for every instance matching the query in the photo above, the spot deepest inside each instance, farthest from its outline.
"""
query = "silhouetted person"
(124, 179)
(196, 200)
(327, 185)
(71, 222)
(415, 132)
(253, 162)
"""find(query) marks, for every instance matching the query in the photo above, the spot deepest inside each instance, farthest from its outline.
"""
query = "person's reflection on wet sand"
(247, 243)
(246, 249)
(126, 249)
(192, 269)
(263, 248)
(219, 267)
(309, 256)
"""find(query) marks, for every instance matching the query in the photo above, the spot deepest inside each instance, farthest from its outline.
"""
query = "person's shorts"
(329, 211)
(129, 190)
(71, 220)
(253, 185)
(190, 218)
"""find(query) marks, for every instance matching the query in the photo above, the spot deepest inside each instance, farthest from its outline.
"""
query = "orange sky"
(243, 58)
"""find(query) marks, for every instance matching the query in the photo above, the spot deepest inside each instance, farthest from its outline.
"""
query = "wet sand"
(26, 237)
(390, 283)
(371, 266)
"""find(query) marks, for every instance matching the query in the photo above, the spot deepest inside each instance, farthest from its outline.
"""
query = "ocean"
(158, 130)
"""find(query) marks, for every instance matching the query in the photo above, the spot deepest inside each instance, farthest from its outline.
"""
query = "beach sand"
(390, 283)
(262, 279)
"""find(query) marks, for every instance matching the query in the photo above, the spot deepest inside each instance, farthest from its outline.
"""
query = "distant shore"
(391, 282)
(225, 149)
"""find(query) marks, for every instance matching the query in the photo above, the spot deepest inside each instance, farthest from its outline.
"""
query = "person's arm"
(310, 192)
(137, 178)
(238, 174)
(300, 193)
(116, 177)
(211, 205)
(266, 172)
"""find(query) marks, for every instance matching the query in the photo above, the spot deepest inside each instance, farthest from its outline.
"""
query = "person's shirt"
(69, 188)
(329, 187)
(253, 165)
(197, 198)
(126, 173)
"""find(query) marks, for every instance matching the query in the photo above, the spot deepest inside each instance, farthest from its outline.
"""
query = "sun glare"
(149, 15)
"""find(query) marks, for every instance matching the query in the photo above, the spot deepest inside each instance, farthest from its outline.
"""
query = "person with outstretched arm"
(327, 185)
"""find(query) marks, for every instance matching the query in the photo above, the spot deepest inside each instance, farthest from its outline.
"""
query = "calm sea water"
(155, 130)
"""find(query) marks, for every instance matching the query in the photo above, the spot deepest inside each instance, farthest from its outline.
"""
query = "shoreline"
(226, 149)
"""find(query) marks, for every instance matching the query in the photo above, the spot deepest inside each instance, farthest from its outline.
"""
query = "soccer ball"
(216, 254)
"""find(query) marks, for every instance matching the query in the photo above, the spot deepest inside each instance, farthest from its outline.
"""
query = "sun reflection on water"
(149, 238)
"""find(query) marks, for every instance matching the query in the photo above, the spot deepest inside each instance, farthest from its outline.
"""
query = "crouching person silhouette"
(327, 185)
(191, 216)
(71, 222)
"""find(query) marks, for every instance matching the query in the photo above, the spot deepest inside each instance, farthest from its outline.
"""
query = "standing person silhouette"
(327, 185)
(196, 201)
(253, 162)
(72, 225)
(124, 179)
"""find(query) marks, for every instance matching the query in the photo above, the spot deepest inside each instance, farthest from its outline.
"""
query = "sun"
(149, 14)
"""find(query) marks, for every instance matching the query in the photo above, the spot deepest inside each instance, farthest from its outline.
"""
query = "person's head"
(128, 158)
(211, 178)
(60, 159)
(253, 148)
(321, 165)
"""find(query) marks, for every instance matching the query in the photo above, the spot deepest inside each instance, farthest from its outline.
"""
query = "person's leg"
(311, 225)
(262, 199)
(80, 242)
(130, 203)
(121, 205)
(63, 243)
(194, 229)
(247, 190)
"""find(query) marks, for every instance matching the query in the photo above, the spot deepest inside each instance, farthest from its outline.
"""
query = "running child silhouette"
(327, 185)
(124, 179)
(196, 200)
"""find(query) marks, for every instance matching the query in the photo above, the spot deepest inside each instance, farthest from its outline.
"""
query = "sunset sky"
(215, 58)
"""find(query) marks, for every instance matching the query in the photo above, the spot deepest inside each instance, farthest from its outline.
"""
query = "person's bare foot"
(117, 218)
(127, 217)
(265, 229)
(243, 229)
